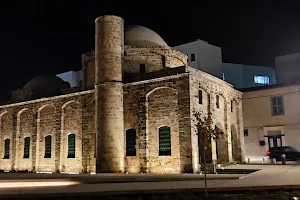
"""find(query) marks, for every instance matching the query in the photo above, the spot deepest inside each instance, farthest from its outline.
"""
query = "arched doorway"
(204, 148)
(222, 146)
(234, 144)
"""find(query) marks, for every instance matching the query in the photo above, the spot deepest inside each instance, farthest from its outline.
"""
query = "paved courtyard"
(269, 176)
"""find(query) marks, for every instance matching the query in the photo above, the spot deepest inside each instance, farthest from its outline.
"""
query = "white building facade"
(271, 118)
(208, 58)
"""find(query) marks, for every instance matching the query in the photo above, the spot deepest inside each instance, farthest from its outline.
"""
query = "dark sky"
(49, 36)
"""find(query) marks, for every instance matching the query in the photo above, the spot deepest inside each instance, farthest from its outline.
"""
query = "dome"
(140, 35)
(46, 82)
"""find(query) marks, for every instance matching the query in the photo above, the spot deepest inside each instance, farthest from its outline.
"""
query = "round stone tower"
(109, 47)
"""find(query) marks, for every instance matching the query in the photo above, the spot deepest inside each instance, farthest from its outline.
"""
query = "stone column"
(109, 48)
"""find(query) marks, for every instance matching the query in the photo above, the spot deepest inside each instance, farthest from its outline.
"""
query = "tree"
(206, 132)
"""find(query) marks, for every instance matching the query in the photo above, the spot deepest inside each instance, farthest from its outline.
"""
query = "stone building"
(133, 113)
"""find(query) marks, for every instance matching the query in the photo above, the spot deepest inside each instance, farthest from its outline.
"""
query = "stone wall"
(88, 69)
(223, 118)
(152, 57)
(71, 124)
(46, 126)
(149, 105)
(56, 116)
(25, 128)
(7, 130)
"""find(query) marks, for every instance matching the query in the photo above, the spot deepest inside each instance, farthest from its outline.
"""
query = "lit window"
(71, 146)
(277, 105)
(223, 76)
(26, 147)
(131, 142)
(6, 148)
(193, 57)
(164, 141)
(48, 142)
(261, 79)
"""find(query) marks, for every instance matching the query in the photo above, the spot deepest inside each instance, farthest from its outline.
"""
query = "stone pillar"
(13, 143)
(240, 133)
(109, 48)
(86, 146)
(34, 141)
(58, 126)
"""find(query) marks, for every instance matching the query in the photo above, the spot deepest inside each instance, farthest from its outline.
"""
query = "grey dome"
(142, 36)
(46, 82)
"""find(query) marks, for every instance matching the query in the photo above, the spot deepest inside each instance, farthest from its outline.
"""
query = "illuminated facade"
(132, 114)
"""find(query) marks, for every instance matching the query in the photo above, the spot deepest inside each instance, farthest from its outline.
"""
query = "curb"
(141, 192)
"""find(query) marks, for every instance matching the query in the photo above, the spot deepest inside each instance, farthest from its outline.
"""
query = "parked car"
(291, 154)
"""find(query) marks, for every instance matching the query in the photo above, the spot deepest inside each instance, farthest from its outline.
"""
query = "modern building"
(134, 112)
(247, 76)
(208, 58)
(75, 79)
(271, 118)
(287, 69)
(203, 56)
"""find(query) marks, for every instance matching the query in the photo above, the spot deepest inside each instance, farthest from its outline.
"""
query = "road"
(268, 176)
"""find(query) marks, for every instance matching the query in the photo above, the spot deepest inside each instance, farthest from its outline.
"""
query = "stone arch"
(223, 103)
(6, 132)
(71, 122)
(162, 110)
(222, 145)
(159, 88)
(133, 112)
(25, 128)
(206, 101)
(152, 60)
(46, 125)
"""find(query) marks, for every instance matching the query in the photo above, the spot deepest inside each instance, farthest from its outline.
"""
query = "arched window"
(48, 143)
(71, 145)
(217, 101)
(131, 142)
(26, 147)
(200, 96)
(6, 148)
(164, 141)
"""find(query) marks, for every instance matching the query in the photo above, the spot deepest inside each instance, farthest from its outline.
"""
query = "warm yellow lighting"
(36, 184)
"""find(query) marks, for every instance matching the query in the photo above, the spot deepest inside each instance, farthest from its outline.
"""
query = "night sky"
(50, 36)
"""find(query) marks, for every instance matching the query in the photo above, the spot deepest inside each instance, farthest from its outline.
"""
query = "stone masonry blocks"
(109, 48)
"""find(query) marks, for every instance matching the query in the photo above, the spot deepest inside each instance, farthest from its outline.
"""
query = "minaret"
(109, 47)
